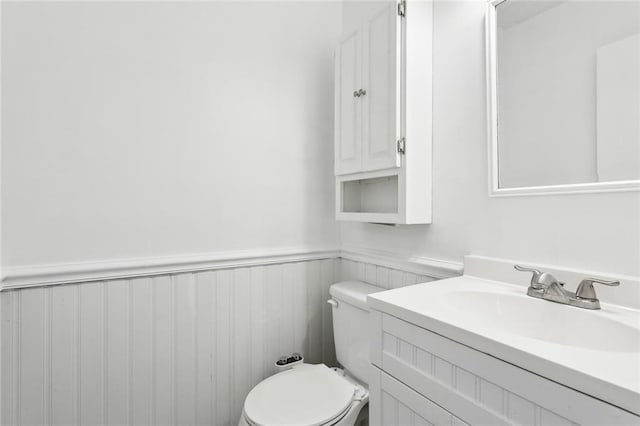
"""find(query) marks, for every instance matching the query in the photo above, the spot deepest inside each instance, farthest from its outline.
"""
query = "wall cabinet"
(420, 375)
(383, 117)
(367, 120)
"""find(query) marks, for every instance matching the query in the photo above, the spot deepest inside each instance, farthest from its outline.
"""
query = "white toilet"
(314, 394)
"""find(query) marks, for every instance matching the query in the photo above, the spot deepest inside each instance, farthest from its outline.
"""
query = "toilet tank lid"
(353, 292)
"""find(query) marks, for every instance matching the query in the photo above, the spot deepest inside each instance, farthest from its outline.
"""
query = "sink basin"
(593, 351)
(546, 321)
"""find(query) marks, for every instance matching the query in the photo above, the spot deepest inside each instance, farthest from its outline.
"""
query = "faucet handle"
(585, 288)
(539, 280)
(536, 272)
(535, 278)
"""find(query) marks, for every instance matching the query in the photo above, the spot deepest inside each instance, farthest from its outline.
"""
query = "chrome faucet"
(545, 286)
(540, 281)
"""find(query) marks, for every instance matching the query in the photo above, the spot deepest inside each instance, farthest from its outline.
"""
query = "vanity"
(477, 349)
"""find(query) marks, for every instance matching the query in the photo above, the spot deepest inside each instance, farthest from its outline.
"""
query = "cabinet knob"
(362, 92)
(356, 93)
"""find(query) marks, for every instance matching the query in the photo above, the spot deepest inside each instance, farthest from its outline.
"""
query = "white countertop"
(562, 343)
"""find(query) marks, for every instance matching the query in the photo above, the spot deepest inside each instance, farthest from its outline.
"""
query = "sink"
(593, 351)
(524, 316)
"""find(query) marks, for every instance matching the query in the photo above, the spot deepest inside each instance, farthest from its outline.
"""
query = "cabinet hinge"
(402, 8)
(401, 145)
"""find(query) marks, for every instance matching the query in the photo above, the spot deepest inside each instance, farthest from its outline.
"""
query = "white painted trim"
(56, 274)
(368, 175)
(492, 134)
(44, 275)
(492, 97)
(575, 188)
(405, 262)
(382, 218)
(1, 124)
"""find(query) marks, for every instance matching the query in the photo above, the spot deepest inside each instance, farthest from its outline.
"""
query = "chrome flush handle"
(585, 288)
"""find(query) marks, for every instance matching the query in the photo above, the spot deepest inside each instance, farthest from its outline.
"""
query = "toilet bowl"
(314, 394)
(307, 394)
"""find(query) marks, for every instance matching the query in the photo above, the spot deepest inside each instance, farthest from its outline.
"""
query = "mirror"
(564, 92)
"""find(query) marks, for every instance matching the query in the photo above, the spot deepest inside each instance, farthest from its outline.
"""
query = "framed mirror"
(564, 96)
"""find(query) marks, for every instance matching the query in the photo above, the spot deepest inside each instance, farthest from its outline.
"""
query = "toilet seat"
(308, 394)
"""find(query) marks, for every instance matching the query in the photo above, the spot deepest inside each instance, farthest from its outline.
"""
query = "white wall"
(150, 129)
(599, 232)
(547, 75)
(160, 128)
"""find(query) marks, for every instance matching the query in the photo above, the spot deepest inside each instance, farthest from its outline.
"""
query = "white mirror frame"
(492, 128)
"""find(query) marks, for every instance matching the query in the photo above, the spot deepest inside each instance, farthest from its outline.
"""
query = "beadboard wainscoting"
(380, 276)
(170, 349)
(392, 270)
(172, 346)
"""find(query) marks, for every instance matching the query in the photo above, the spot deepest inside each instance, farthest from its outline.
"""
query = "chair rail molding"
(420, 265)
(67, 273)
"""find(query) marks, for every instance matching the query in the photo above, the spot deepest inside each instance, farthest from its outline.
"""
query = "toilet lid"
(305, 395)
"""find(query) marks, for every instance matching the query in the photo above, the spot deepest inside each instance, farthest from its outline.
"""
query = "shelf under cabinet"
(369, 197)
(385, 218)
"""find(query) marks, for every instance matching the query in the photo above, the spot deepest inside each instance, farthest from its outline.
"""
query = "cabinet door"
(391, 403)
(475, 387)
(382, 115)
(348, 106)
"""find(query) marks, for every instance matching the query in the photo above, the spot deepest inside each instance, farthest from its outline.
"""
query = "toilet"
(314, 394)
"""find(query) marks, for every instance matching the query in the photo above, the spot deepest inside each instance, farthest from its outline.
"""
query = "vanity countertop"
(596, 352)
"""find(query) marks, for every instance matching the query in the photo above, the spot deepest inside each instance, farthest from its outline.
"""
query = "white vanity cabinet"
(383, 117)
(420, 377)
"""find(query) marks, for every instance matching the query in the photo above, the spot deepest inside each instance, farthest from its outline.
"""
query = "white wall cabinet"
(423, 376)
(383, 136)
(367, 129)
(348, 130)
(381, 91)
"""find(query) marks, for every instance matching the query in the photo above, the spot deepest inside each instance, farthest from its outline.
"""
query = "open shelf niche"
(369, 197)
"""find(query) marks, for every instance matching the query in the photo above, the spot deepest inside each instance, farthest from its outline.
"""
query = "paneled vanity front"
(428, 367)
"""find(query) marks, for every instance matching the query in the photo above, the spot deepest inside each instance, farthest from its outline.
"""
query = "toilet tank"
(351, 326)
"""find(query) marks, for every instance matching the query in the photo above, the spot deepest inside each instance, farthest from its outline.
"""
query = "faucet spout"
(556, 293)
(545, 286)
